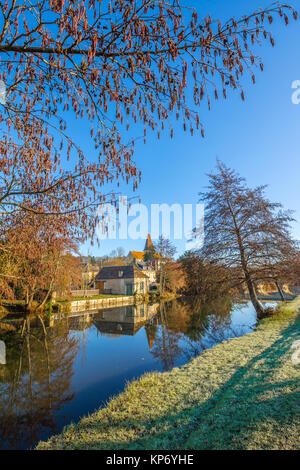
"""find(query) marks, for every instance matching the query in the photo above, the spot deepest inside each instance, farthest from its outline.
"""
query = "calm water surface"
(57, 372)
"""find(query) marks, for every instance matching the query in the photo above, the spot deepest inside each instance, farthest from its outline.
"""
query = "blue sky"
(260, 137)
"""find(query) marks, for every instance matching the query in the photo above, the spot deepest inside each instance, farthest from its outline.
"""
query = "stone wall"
(94, 304)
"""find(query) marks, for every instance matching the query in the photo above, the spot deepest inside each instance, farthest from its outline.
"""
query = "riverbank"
(87, 303)
(242, 394)
(93, 303)
(107, 301)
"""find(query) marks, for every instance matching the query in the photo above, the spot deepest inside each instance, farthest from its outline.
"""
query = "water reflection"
(60, 369)
(126, 320)
(189, 326)
(35, 382)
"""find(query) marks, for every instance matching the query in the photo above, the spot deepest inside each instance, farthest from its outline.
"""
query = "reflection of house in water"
(80, 322)
(126, 320)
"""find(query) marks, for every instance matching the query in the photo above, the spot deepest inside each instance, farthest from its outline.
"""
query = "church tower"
(149, 245)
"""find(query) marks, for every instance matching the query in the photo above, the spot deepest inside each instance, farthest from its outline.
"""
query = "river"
(59, 369)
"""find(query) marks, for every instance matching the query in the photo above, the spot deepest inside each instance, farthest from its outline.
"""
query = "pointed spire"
(150, 333)
(148, 244)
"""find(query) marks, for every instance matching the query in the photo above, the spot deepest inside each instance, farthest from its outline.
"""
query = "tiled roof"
(140, 254)
(88, 267)
(137, 254)
(120, 272)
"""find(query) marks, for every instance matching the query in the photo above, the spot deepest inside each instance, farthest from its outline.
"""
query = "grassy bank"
(242, 394)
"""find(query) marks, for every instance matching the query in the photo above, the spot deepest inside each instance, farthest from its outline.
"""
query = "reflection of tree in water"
(185, 323)
(214, 325)
(218, 312)
(35, 382)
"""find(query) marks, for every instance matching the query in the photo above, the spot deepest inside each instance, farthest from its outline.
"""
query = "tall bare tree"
(244, 231)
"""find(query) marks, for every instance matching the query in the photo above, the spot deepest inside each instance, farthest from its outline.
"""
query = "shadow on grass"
(259, 397)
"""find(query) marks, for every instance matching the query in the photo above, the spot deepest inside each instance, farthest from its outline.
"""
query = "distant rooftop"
(91, 267)
(140, 254)
(120, 272)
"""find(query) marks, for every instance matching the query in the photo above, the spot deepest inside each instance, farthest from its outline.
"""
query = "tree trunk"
(161, 281)
(46, 297)
(251, 288)
(253, 297)
(280, 291)
(42, 304)
(164, 282)
(250, 285)
(29, 301)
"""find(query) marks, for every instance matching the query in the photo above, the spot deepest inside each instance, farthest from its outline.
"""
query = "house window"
(142, 311)
(129, 289)
(129, 311)
(142, 287)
